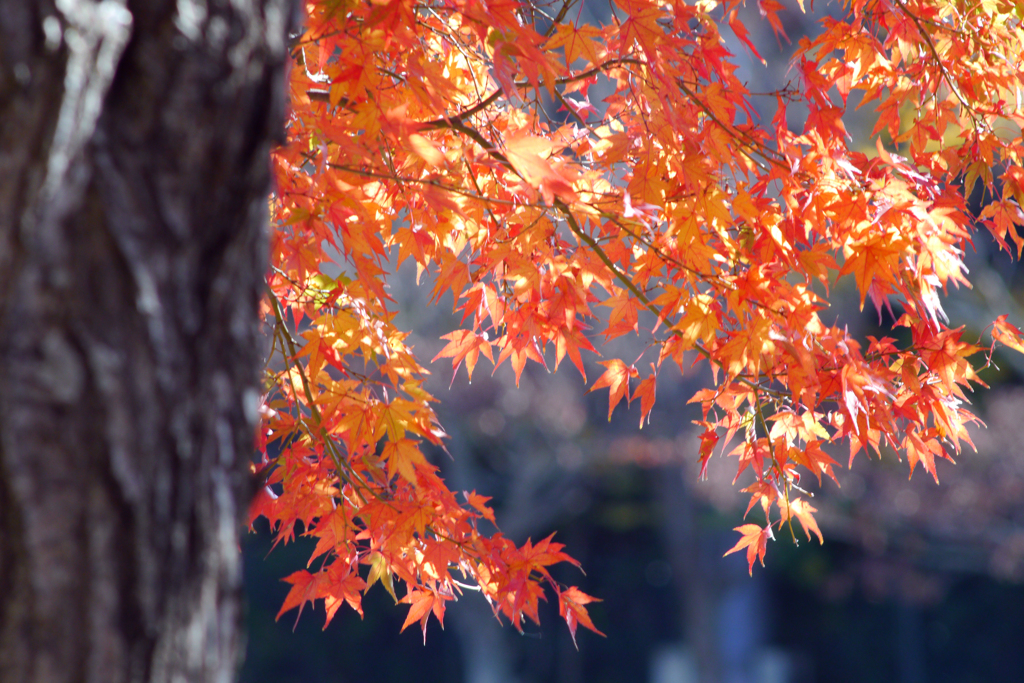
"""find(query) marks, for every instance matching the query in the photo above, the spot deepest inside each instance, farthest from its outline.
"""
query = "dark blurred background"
(915, 582)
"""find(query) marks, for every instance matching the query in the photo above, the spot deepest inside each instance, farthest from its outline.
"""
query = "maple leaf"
(645, 391)
(755, 540)
(751, 453)
(262, 505)
(1007, 334)
(345, 587)
(479, 503)
(331, 530)
(526, 153)
(464, 345)
(803, 511)
(623, 317)
(708, 441)
(578, 42)
(872, 257)
(402, 457)
(816, 460)
(571, 603)
(769, 9)
(741, 32)
(380, 571)
(763, 492)
(616, 378)
(570, 345)
(1002, 217)
(700, 321)
(923, 450)
(423, 603)
(581, 109)
(306, 587)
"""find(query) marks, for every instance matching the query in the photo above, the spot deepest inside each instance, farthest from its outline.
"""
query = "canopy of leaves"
(428, 131)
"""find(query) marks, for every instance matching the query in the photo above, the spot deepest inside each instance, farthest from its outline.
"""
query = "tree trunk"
(133, 180)
(695, 578)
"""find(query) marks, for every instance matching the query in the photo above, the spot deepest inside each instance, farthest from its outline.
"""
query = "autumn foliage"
(467, 137)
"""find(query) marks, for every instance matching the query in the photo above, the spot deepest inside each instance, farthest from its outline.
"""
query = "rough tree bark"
(133, 176)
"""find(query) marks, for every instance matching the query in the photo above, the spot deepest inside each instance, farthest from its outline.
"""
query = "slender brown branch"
(558, 19)
(343, 469)
(433, 183)
(321, 95)
(770, 155)
(978, 125)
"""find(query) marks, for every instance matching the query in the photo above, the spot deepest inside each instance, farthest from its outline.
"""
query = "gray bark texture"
(133, 178)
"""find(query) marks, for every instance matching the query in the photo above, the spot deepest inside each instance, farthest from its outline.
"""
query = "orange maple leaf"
(571, 603)
(755, 540)
(645, 391)
(421, 604)
(616, 378)
(803, 511)
(464, 345)
(815, 459)
(1007, 334)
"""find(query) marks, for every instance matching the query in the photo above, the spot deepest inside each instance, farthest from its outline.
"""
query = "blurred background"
(915, 582)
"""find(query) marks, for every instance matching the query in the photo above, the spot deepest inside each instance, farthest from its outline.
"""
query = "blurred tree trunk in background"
(690, 565)
(133, 183)
(533, 497)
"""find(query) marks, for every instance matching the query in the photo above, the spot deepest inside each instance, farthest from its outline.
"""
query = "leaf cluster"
(428, 131)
